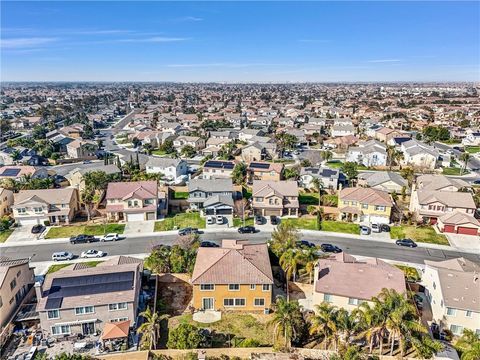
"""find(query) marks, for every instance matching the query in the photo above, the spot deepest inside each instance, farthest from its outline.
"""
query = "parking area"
(24, 233)
(464, 242)
(218, 221)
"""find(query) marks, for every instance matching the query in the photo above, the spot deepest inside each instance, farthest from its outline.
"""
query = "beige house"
(37, 206)
(215, 169)
(79, 299)
(76, 176)
(16, 283)
(264, 171)
(132, 201)
(278, 198)
(346, 282)
(453, 290)
(78, 149)
(197, 142)
(6, 201)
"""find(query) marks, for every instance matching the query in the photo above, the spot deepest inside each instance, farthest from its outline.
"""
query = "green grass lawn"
(472, 149)
(180, 221)
(67, 231)
(421, 234)
(334, 164)
(159, 152)
(327, 225)
(5, 234)
(308, 198)
(302, 223)
(454, 171)
(180, 195)
(56, 267)
(237, 222)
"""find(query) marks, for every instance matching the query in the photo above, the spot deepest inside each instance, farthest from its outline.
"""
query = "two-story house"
(452, 287)
(78, 299)
(132, 201)
(79, 149)
(171, 169)
(264, 171)
(365, 205)
(215, 169)
(419, 154)
(383, 180)
(16, 284)
(211, 196)
(330, 178)
(76, 177)
(196, 142)
(234, 277)
(38, 206)
(368, 153)
(277, 198)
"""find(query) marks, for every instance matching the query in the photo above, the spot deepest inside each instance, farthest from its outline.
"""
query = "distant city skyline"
(240, 41)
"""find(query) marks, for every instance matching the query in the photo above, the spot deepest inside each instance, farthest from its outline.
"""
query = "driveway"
(23, 233)
(139, 227)
(464, 242)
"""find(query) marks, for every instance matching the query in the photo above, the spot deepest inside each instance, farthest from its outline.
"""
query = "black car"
(188, 231)
(476, 182)
(38, 229)
(259, 220)
(247, 229)
(384, 228)
(274, 220)
(406, 242)
(329, 248)
(208, 244)
(304, 243)
(79, 239)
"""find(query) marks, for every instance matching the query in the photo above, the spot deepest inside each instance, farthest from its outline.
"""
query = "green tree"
(188, 151)
(468, 345)
(408, 174)
(291, 173)
(239, 173)
(150, 328)
(324, 323)
(465, 158)
(327, 155)
(184, 336)
(159, 260)
(287, 320)
(350, 169)
(283, 238)
(167, 146)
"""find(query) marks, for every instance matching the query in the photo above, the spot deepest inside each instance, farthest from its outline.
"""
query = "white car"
(63, 255)
(210, 220)
(92, 254)
(219, 219)
(110, 237)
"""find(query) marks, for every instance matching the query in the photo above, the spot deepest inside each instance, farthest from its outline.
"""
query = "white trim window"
(117, 306)
(266, 287)
(233, 287)
(119, 319)
(456, 329)
(53, 314)
(327, 298)
(253, 286)
(451, 311)
(61, 330)
(468, 313)
(353, 301)
(207, 287)
(234, 302)
(82, 310)
(259, 302)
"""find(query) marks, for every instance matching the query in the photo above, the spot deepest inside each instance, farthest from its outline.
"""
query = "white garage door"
(135, 217)
(28, 221)
(378, 219)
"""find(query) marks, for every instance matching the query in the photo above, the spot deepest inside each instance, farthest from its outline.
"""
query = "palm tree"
(324, 323)
(351, 352)
(373, 320)
(465, 157)
(347, 324)
(393, 155)
(284, 238)
(290, 261)
(318, 184)
(286, 320)
(469, 345)
(150, 328)
(310, 258)
(408, 174)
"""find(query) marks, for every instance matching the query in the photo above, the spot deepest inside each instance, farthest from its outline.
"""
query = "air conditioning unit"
(266, 311)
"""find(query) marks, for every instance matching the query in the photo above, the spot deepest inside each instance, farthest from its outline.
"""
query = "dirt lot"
(175, 292)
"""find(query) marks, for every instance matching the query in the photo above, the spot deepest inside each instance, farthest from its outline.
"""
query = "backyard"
(72, 230)
(424, 234)
(312, 199)
(454, 171)
(180, 195)
(5, 234)
(179, 221)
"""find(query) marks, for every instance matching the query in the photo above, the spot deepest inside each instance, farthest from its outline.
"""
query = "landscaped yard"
(67, 231)
(453, 171)
(5, 234)
(308, 198)
(421, 234)
(237, 222)
(334, 164)
(472, 149)
(302, 223)
(179, 221)
(159, 152)
(56, 267)
(341, 227)
(180, 195)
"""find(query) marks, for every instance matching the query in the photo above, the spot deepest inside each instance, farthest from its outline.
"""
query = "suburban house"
(132, 201)
(253, 152)
(79, 149)
(76, 176)
(458, 222)
(452, 287)
(264, 171)
(18, 172)
(360, 204)
(385, 134)
(214, 169)
(436, 195)
(342, 127)
(472, 139)
(368, 153)
(78, 299)
(6, 201)
(343, 281)
(330, 178)
(16, 284)
(234, 277)
(204, 193)
(38, 206)
(171, 169)
(419, 154)
(248, 134)
(196, 142)
(277, 198)
(388, 181)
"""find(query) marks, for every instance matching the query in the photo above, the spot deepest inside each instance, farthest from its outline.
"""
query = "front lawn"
(180, 195)
(56, 267)
(454, 171)
(180, 221)
(327, 225)
(472, 149)
(5, 234)
(302, 223)
(424, 234)
(67, 231)
(237, 222)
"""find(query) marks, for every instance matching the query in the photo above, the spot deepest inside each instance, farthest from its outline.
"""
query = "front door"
(207, 303)
(88, 328)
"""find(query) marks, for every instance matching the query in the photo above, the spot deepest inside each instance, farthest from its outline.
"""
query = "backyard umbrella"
(115, 330)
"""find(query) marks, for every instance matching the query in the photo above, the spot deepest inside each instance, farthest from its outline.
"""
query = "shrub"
(249, 343)
(46, 223)
(184, 336)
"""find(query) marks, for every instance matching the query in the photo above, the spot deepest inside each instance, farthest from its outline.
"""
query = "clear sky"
(240, 41)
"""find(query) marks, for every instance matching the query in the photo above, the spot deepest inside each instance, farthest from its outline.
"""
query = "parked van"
(63, 255)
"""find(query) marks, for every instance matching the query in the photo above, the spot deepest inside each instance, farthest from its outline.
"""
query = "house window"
(119, 319)
(84, 310)
(451, 311)
(266, 287)
(364, 206)
(234, 287)
(228, 302)
(21, 210)
(149, 202)
(468, 313)
(19, 273)
(434, 286)
(207, 287)
(129, 203)
(240, 302)
(456, 329)
(13, 284)
(477, 332)
(1, 302)
(117, 306)
(327, 298)
(270, 201)
(252, 286)
(61, 330)
(353, 301)
(354, 203)
(37, 209)
(53, 314)
(345, 203)
(379, 208)
(259, 302)
(135, 203)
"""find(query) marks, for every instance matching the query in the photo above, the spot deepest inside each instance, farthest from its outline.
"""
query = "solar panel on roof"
(53, 303)
(259, 165)
(219, 164)
(10, 172)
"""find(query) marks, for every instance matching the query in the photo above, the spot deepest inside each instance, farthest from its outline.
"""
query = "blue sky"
(240, 41)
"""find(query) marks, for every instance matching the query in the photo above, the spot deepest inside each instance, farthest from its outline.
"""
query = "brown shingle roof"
(366, 196)
(143, 189)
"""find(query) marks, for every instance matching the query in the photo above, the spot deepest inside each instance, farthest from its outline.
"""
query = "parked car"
(304, 243)
(364, 230)
(111, 237)
(92, 254)
(210, 220)
(247, 229)
(188, 231)
(208, 244)
(219, 219)
(385, 228)
(406, 242)
(274, 220)
(38, 229)
(258, 220)
(62, 255)
(329, 248)
(376, 228)
(79, 239)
